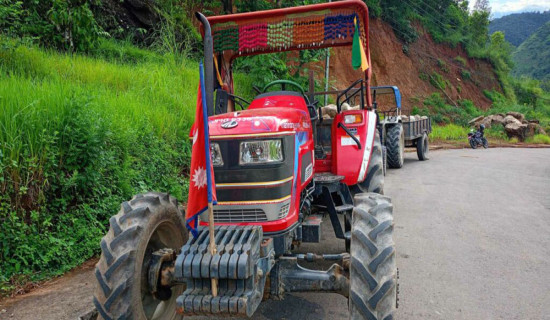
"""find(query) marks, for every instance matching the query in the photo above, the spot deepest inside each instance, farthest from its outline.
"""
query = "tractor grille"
(239, 215)
(284, 210)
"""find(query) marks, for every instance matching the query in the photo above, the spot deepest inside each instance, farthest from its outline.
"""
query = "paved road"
(472, 229)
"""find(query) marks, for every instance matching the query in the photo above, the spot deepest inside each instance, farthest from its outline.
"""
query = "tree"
(479, 27)
(482, 5)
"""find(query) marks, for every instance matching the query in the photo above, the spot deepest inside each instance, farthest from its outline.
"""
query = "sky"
(504, 7)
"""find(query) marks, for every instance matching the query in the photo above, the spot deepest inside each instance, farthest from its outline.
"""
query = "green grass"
(450, 132)
(539, 139)
(78, 135)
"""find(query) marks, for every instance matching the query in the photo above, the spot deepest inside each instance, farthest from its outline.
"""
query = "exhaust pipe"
(208, 63)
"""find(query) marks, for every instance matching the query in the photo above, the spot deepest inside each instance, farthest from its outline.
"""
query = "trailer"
(399, 131)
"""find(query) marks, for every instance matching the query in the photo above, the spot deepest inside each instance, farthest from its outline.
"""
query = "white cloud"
(508, 6)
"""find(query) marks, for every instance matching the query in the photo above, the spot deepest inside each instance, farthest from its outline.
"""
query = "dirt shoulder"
(451, 144)
(59, 298)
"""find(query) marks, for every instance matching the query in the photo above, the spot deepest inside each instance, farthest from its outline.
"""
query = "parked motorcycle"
(477, 139)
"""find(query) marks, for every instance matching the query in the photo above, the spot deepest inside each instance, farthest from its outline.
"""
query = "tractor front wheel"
(373, 271)
(146, 224)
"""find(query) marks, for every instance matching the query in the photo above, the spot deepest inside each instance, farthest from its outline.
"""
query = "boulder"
(476, 120)
(346, 107)
(497, 118)
(516, 115)
(423, 117)
(510, 119)
(329, 110)
(404, 118)
(532, 129)
(487, 122)
(516, 129)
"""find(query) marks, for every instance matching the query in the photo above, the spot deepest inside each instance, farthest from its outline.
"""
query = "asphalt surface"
(472, 230)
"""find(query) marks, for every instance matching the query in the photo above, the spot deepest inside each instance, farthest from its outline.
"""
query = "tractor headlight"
(260, 152)
(216, 155)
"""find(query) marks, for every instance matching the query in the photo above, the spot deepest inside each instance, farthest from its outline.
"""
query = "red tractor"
(280, 168)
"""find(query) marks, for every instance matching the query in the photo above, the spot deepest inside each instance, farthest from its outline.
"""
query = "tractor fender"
(371, 133)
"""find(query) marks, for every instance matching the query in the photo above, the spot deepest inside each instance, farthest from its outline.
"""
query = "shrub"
(539, 139)
(438, 81)
(443, 65)
(465, 74)
(496, 132)
(423, 76)
(461, 60)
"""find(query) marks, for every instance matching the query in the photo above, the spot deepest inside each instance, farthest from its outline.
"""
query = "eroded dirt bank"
(411, 71)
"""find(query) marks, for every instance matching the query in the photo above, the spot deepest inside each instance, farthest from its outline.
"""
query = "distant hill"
(518, 27)
(532, 57)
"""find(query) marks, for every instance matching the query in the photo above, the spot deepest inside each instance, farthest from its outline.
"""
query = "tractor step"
(344, 208)
(327, 178)
(240, 264)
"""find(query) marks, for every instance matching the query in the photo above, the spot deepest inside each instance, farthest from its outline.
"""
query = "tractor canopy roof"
(388, 90)
(297, 28)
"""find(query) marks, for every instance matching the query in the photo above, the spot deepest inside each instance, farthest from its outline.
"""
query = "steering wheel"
(283, 84)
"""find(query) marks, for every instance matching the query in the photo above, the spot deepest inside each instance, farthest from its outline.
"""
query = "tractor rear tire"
(373, 271)
(145, 224)
(423, 147)
(374, 180)
(395, 142)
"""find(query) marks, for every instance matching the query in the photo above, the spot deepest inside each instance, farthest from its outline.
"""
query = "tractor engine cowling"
(262, 158)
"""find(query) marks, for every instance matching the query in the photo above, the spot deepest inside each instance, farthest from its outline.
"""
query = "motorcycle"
(477, 139)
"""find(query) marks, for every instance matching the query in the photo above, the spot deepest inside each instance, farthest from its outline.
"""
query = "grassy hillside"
(78, 135)
(518, 27)
(532, 58)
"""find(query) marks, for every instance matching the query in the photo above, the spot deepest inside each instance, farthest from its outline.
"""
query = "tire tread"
(373, 273)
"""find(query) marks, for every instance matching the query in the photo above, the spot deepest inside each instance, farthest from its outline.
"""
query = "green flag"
(358, 56)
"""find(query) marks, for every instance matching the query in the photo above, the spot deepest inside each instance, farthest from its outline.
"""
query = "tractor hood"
(260, 121)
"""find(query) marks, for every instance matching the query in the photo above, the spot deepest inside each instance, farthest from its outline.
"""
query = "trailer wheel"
(373, 271)
(395, 143)
(143, 225)
(422, 147)
(374, 181)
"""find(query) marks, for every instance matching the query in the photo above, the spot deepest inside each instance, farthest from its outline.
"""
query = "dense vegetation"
(532, 57)
(78, 135)
(518, 27)
(96, 104)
